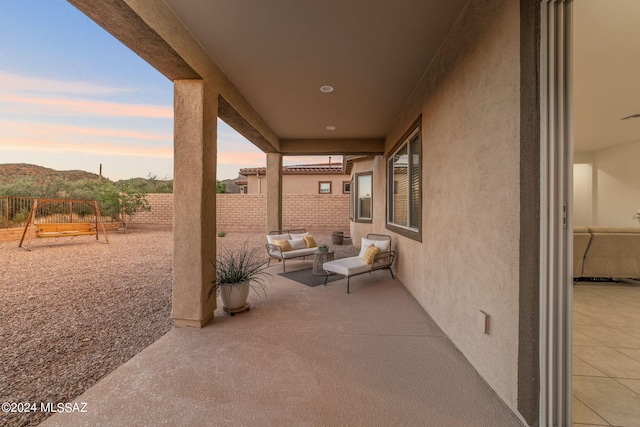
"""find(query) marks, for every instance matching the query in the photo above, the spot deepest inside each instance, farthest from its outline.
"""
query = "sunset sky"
(73, 97)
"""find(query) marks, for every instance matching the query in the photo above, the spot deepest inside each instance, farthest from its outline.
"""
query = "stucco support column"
(274, 191)
(194, 207)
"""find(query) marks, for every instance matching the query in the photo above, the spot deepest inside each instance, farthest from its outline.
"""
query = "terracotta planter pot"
(234, 296)
(337, 237)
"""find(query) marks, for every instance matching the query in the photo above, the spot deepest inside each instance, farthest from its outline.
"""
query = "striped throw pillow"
(370, 254)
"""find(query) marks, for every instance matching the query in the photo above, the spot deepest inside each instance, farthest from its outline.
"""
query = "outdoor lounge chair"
(353, 266)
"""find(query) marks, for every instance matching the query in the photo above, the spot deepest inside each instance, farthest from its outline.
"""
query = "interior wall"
(468, 259)
(618, 185)
(582, 194)
(606, 187)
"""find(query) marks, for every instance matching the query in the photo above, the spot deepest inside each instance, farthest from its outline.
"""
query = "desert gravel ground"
(73, 310)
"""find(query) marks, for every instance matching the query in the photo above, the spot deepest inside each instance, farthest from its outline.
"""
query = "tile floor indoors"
(606, 354)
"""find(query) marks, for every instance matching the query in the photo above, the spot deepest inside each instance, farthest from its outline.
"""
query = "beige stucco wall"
(468, 259)
(298, 184)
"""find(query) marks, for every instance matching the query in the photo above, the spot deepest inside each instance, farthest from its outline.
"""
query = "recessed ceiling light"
(331, 127)
(326, 89)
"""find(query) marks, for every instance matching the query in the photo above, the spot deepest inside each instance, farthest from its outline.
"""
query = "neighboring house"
(323, 178)
(459, 116)
(242, 183)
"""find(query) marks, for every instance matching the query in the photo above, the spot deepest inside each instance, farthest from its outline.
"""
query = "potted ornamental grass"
(237, 272)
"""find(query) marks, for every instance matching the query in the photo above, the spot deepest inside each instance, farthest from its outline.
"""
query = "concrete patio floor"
(302, 356)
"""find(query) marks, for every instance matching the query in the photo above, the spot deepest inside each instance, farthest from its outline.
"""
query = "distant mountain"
(148, 185)
(10, 171)
(231, 186)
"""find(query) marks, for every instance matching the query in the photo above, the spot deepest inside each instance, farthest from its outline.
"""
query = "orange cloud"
(16, 82)
(241, 158)
(52, 130)
(80, 107)
(111, 149)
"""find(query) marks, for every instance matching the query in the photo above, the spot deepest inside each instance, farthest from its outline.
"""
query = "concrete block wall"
(248, 212)
(317, 212)
(241, 212)
(161, 212)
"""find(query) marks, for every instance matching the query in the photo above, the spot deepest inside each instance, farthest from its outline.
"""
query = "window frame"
(411, 137)
(351, 200)
(354, 205)
(346, 187)
(320, 187)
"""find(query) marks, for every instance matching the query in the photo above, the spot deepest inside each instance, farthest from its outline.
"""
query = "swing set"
(63, 218)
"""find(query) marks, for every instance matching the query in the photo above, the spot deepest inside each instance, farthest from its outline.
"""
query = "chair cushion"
(295, 253)
(383, 245)
(299, 236)
(310, 241)
(370, 253)
(346, 266)
(297, 244)
(283, 244)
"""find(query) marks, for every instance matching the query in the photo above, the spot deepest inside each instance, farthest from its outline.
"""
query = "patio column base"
(192, 323)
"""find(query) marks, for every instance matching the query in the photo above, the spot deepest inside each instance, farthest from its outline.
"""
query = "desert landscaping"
(73, 310)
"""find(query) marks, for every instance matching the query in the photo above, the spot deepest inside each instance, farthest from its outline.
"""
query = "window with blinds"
(404, 193)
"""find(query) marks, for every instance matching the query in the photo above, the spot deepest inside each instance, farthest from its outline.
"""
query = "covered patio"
(302, 356)
(441, 101)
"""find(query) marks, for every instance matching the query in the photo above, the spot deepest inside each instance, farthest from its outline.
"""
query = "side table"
(320, 258)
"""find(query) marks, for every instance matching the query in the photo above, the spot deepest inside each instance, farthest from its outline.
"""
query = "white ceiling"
(279, 53)
(606, 73)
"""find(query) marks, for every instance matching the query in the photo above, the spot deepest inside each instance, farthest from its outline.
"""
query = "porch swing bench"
(51, 218)
(64, 229)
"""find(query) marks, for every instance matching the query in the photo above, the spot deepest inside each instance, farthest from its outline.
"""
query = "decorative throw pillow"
(283, 245)
(299, 236)
(370, 253)
(310, 241)
(383, 245)
(297, 244)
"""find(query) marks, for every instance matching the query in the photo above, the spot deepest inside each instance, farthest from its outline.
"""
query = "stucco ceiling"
(606, 73)
(279, 53)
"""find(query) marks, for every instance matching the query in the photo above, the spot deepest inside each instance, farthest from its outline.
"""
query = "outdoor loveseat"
(375, 254)
(287, 244)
